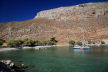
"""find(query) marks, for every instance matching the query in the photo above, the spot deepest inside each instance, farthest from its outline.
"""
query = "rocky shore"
(9, 66)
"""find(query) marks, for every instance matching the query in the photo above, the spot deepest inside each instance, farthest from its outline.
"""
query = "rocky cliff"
(81, 22)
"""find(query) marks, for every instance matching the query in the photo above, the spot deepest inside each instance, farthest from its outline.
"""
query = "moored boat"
(80, 47)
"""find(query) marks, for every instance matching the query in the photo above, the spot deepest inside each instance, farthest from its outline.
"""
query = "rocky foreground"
(9, 66)
(81, 22)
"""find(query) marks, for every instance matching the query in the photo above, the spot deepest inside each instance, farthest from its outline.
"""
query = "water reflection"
(61, 59)
(102, 52)
(78, 51)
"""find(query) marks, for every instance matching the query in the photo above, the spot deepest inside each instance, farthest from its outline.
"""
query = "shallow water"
(61, 59)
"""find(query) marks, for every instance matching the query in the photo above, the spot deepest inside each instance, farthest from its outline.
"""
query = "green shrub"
(37, 43)
(1, 41)
(102, 42)
(48, 42)
(72, 42)
(31, 43)
(53, 40)
(93, 42)
(79, 43)
(89, 41)
(44, 42)
(28, 42)
(15, 43)
(51, 43)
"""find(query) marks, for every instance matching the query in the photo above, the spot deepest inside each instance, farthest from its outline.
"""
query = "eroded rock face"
(78, 12)
(81, 22)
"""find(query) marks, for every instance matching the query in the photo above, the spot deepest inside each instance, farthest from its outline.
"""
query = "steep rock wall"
(81, 22)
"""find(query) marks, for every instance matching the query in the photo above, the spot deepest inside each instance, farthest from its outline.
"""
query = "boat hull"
(81, 47)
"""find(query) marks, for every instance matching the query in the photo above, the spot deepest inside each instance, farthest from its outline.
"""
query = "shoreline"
(36, 48)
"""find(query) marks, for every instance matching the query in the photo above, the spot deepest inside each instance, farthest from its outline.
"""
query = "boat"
(81, 47)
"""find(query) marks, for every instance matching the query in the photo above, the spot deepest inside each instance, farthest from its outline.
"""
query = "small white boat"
(80, 47)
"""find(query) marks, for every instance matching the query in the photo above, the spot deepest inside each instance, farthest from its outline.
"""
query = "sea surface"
(61, 59)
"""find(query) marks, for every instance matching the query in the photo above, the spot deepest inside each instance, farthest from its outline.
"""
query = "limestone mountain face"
(78, 12)
(81, 22)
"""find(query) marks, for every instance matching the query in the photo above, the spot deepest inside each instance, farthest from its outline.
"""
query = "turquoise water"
(61, 59)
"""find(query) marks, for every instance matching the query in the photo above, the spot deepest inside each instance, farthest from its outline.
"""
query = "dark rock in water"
(18, 69)
(22, 66)
(5, 68)
(9, 66)
(8, 62)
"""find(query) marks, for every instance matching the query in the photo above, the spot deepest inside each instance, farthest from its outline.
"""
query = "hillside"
(81, 22)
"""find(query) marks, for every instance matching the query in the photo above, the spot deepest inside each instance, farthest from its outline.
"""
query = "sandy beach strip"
(36, 47)
(7, 49)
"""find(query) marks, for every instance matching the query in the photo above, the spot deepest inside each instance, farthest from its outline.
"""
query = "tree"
(28, 42)
(79, 43)
(93, 42)
(15, 43)
(37, 43)
(102, 42)
(89, 41)
(48, 42)
(1, 41)
(44, 42)
(72, 42)
(53, 40)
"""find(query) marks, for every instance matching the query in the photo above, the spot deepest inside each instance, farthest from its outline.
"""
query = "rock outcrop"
(9, 66)
(81, 22)
(79, 12)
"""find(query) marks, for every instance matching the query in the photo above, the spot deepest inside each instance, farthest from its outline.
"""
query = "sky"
(21, 10)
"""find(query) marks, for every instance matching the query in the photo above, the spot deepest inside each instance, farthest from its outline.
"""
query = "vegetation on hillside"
(28, 42)
(1, 41)
(72, 42)
(31, 43)
(15, 43)
(102, 42)
(89, 42)
(79, 43)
